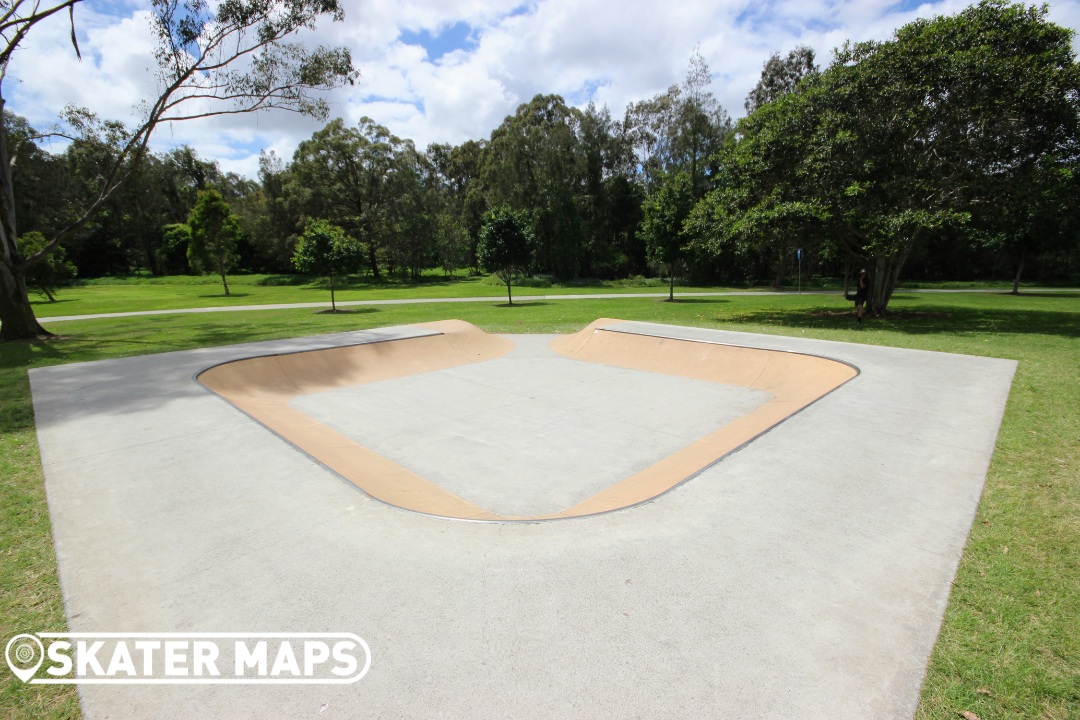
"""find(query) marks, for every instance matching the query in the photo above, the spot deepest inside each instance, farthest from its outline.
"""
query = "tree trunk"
(1019, 269)
(883, 282)
(509, 299)
(333, 301)
(781, 274)
(671, 283)
(224, 282)
(17, 320)
(373, 262)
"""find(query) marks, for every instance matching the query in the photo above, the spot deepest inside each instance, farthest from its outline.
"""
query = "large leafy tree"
(901, 140)
(927, 125)
(766, 202)
(213, 58)
(507, 246)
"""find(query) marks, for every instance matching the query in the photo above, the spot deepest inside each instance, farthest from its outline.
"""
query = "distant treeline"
(947, 152)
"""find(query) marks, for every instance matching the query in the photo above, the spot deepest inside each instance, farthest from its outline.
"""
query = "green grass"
(1010, 643)
(109, 295)
(144, 292)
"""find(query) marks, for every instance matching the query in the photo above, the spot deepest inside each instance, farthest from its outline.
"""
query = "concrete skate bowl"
(272, 389)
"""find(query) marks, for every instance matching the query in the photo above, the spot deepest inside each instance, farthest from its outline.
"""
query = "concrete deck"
(804, 575)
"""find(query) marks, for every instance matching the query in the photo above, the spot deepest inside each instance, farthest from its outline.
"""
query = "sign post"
(798, 254)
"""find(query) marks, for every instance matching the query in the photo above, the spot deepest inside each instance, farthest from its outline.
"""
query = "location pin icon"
(24, 654)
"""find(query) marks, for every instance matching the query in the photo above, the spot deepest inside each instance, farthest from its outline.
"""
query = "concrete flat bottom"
(531, 433)
(803, 576)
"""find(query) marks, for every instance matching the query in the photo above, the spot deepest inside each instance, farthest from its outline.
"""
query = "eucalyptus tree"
(460, 168)
(352, 177)
(610, 201)
(212, 58)
(533, 162)
(680, 129)
(275, 216)
(780, 76)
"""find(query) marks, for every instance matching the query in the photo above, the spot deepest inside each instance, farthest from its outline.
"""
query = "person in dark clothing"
(862, 294)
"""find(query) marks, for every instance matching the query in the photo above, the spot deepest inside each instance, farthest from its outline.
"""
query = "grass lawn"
(1010, 644)
(110, 295)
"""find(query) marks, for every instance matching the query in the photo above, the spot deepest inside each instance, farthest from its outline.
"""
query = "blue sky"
(441, 41)
(451, 70)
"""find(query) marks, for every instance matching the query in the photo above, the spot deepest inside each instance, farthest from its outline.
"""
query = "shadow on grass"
(230, 296)
(696, 300)
(521, 304)
(928, 319)
(45, 302)
(346, 311)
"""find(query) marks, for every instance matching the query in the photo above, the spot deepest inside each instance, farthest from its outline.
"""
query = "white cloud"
(612, 53)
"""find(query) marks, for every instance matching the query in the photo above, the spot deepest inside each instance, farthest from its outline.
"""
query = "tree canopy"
(900, 140)
(224, 58)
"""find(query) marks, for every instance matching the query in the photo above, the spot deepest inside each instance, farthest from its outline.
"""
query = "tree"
(680, 129)
(56, 269)
(906, 139)
(534, 163)
(923, 129)
(175, 241)
(781, 76)
(221, 58)
(326, 251)
(215, 234)
(507, 245)
(765, 204)
(348, 175)
(610, 200)
(665, 212)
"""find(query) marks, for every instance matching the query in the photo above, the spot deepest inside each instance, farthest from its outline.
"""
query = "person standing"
(862, 294)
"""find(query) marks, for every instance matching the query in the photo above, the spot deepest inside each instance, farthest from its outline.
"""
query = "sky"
(448, 71)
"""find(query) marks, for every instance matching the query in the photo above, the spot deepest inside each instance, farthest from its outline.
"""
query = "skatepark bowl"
(370, 412)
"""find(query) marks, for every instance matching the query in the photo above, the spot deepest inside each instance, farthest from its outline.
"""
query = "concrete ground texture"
(804, 574)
